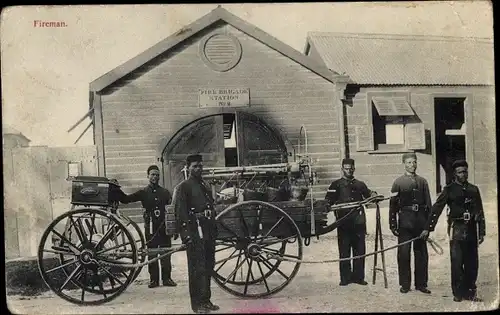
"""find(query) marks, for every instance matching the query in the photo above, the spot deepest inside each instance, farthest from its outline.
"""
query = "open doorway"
(450, 137)
(224, 140)
(230, 147)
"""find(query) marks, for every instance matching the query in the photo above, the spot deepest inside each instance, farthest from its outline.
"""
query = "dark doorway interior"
(230, 146)
(450, 137)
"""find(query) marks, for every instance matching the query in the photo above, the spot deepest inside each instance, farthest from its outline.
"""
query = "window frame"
(377, 148)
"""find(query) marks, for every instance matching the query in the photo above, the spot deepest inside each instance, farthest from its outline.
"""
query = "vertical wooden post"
(378, 238)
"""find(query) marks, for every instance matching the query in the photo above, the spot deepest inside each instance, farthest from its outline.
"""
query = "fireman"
(155, 199)
(466, 228)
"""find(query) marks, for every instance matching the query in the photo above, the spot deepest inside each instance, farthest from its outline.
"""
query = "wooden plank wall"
(161, 98)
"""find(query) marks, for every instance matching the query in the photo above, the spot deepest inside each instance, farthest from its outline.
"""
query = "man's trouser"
(464, 264)
(352, 237)
(156, 237)
(421, 259)
(201, 260)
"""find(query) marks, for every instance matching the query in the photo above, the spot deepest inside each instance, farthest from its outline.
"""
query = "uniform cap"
(348, 162)
(459, 163)
(153, 167)
(409, 155)
(193, 158)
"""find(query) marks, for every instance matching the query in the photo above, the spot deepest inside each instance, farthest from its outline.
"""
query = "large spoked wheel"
(247, 233)
(257, 278)
(80, 253)
(136, 230)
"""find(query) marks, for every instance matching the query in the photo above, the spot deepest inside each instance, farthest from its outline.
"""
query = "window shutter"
(415, 136)
(364, 138)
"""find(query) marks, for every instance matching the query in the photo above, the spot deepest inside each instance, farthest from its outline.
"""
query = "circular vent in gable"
(221, 52)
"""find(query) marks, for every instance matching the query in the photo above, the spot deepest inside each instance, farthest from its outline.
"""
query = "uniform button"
(154, 190)
(156, 198)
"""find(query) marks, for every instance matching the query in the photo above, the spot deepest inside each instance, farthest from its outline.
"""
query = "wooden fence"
(36, 190)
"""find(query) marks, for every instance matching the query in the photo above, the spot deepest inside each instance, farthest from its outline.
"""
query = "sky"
(46, 72)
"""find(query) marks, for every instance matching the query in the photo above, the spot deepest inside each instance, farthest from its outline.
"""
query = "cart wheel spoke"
(70, 277)
(248, 276)
(273, 251)
(110, 274)
(78, 231)
(263, 277)
(112, 248)
(63, 238)
(258, 224)
(224, 261)
(228, 229)
(84, 281)
(101, 287)
(91, 226)
(107, 236)
(274, 242)
(239, 256)
(268, 265)
(221, 249)
(249, 263)
(59, 251)
(62, 266)
(273, 227)
(246, 231)
(235, 270)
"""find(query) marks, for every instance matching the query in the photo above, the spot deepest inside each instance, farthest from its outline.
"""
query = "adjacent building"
(424, 94)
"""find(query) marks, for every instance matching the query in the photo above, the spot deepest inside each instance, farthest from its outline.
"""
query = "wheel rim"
(250, 231)
(80, 274)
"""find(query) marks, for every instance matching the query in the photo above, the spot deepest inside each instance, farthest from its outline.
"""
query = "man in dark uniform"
(195, 216)
(408, 213)
(154, 199)
(351, 233)
(466, 228)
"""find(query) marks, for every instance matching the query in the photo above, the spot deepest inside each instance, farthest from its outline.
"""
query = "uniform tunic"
(190, 196)
(351, 232)
(408, 214)
(154, 199)
(463, 233)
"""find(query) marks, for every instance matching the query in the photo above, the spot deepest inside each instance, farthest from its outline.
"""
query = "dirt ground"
(314, 289)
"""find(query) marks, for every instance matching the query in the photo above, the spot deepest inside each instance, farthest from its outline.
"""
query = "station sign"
(224, 97)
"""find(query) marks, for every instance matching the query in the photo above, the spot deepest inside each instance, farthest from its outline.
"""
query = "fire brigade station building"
(226, 89)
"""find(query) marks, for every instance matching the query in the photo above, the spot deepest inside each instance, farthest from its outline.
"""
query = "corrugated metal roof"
(407, 59)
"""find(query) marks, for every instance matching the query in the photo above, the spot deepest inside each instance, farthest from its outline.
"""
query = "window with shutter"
(415, 136)
(393, 126)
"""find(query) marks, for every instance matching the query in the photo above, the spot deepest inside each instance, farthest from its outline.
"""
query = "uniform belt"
(204, 214)
(466, 217)
(414, 207)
